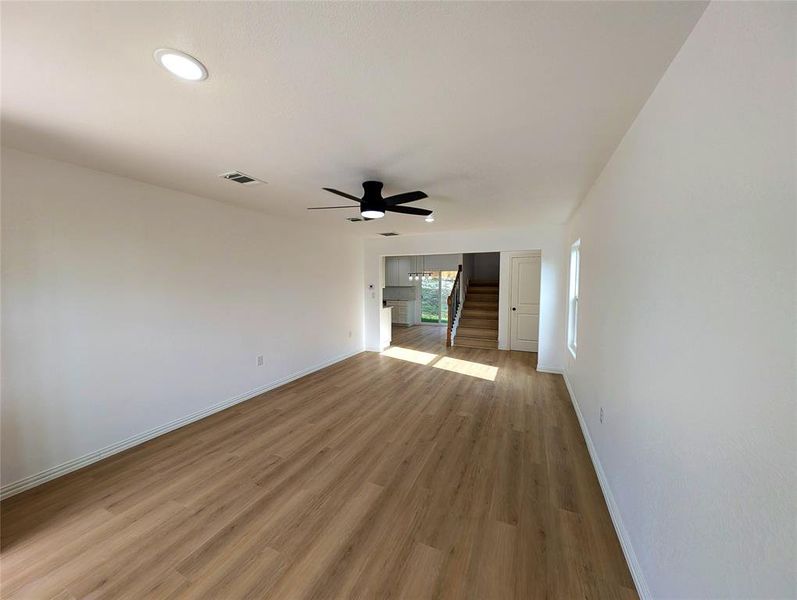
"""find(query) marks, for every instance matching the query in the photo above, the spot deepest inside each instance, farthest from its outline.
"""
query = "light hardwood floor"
(378, 477)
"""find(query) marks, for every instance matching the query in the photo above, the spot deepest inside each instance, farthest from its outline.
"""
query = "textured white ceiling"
(504, 113)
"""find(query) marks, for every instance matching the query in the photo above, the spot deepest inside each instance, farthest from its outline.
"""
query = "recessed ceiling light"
(181, 64)
(429, 219)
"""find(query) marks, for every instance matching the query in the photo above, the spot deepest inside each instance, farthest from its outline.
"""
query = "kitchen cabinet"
(406, 266)
(397, 270)
(403, 311)
(391, 271)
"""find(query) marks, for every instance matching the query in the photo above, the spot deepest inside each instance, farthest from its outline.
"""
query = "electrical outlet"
(260, 361)
(601, 414)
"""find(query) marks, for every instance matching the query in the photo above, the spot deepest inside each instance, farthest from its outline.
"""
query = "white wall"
(487, 266)
(687, 323)
(126, 306)
(550, 240)
(402, 292)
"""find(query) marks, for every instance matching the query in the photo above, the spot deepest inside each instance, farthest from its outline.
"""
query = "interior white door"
(524, 318)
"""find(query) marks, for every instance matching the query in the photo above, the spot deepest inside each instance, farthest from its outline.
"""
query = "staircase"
(478, 322)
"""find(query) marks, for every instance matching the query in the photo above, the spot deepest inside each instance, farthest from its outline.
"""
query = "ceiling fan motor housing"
(373, 191)
(372, 198)
(372, 201)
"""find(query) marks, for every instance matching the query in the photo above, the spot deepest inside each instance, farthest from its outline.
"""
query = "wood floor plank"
(303, 574)
(383, 476)
(84, 557)
(421, 574)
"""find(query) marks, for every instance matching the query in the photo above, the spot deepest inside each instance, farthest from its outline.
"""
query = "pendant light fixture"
(417, 276)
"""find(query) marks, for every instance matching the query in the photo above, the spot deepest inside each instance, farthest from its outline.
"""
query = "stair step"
(467, 342)
(477, 332)
(479, 313)
(482, 298)
(481, 323)
(482, 305)
(479, 282)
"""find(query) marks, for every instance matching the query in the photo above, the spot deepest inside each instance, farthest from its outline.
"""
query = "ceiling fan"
(374, 206)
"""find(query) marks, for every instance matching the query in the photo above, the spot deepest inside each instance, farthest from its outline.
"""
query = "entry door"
(524, 320)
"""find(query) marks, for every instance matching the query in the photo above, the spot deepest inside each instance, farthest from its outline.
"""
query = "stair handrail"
(453, 305)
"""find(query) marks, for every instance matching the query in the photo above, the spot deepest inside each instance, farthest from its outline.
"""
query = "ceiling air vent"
(241, 178)
(389, 233)
(354, 219)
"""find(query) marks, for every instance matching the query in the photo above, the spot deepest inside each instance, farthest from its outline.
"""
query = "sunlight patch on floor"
(414, 356)
(466, 367)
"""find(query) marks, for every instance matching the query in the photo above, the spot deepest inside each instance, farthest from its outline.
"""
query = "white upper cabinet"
(391, 271)
(397, 270)
(406, 266)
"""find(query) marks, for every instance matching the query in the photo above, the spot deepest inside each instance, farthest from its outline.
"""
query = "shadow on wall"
(486, 266)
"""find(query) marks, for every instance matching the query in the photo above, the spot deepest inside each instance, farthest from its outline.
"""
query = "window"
(435, 289)
(572, 309)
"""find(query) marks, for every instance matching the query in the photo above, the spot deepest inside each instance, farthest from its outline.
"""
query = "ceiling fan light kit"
(374, 206)
(371, 210)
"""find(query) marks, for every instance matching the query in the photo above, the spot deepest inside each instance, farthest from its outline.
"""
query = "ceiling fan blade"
(328, 207)
(404, 198)
(344, 194)
(409, 210)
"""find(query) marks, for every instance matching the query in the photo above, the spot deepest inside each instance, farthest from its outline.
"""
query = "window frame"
(573, 297)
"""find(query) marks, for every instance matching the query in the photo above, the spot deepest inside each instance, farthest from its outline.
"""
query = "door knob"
(513, 308)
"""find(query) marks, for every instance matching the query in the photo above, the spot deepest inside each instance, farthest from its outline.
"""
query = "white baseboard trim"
(625, 541)
(547, 369)
(77, 463)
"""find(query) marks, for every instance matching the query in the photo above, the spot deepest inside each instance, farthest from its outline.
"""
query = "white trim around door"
(523, 306)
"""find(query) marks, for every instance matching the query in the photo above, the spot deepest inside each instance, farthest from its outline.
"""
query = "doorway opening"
(435, 289)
